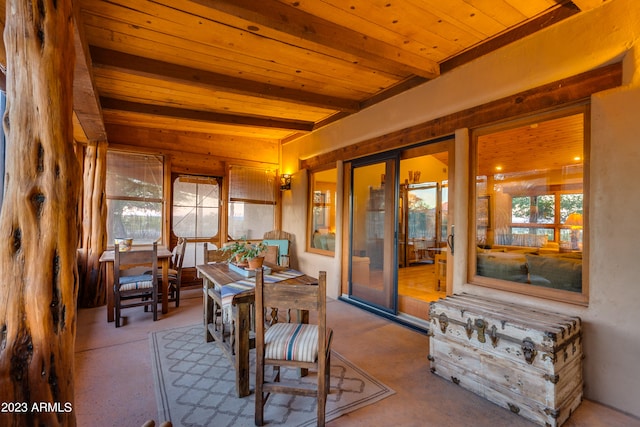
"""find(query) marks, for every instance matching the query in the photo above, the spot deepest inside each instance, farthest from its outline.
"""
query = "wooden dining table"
(107, 259)
(235, 336)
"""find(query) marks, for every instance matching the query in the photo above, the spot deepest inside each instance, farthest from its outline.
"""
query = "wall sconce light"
(285, 182)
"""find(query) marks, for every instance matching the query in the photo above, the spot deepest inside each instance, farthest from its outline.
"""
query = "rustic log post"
(39, 220)
(94, 236)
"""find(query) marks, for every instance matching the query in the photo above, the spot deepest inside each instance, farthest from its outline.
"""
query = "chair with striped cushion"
(139, 290)
(298, 345)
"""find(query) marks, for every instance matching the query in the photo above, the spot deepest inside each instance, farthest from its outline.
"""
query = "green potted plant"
(236, 249)
(254, 254)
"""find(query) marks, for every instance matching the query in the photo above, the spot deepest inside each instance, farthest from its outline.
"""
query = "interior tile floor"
(114, 382)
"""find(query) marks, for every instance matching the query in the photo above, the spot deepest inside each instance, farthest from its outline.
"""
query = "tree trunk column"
(94, 237)
(39, 220)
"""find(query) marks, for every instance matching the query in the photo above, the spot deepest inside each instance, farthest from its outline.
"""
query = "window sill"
(568, 297)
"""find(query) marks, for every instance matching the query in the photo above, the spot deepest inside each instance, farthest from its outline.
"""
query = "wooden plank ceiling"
(247, 71)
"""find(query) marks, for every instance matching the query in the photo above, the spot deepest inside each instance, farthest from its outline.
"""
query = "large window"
(134, 197)
(196, 206)
(322, 221)
(529, 201)
(252, 202)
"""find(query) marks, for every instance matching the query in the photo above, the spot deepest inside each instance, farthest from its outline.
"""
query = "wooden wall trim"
(553, 95)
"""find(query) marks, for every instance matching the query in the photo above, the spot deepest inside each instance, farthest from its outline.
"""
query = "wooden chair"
(295, 345)
(175, 271)
(213, 300)
(272, 238)
(213, 254)
(142, 289)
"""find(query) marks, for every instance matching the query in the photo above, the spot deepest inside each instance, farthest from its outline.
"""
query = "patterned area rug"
(195, 386)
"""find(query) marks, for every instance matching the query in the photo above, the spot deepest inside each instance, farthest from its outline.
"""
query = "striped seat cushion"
(173, 274)
(291, 341)
(141, 281)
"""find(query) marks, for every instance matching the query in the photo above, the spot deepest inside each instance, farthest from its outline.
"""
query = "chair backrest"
(178, 254)
(278, 235)
(311, 297)
(124, 260)
(213, 254)
(282, 239)
(271, 254)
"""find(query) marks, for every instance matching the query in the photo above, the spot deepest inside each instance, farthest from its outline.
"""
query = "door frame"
(441, 144)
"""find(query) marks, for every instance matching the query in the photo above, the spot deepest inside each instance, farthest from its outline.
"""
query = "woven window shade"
(134, 176)
(253, 185)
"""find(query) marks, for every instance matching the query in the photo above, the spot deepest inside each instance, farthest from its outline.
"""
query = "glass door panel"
(421, 222)
(373, 224)
(422, 227)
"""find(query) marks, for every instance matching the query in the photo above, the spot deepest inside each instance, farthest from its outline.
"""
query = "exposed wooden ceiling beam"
(563, 11)
(203, 116)
(85, 100)
(150, 68)
(290, 20)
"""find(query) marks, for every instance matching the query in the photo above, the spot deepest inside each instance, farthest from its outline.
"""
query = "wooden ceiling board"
(196, 55)
(325, 34)
(530, 8)
(224, 147)
(366, 17)
(122, 86)
(274, 21)
(277, 69)
(467, 18)
(505, 13)
(160, 122)
(244, 48)
(325, 88)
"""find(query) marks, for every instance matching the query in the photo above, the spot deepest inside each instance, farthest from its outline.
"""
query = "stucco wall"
(581, 43)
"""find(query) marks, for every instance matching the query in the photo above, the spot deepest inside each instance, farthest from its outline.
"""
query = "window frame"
(310, 228)
(197, 180)
(578, 298)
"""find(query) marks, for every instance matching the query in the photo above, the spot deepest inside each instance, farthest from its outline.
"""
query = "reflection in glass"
(323, 210)
(529, 204)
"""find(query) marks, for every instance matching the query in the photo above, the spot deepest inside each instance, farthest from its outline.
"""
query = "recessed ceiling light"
(498, 168)
(577, 158)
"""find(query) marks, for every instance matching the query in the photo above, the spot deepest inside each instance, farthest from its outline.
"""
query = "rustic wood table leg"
(165, 285)
(109, 290)
(242, 325)
(207, 308)
(303, 317)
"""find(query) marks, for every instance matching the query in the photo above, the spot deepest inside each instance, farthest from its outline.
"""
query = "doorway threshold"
(418, 325)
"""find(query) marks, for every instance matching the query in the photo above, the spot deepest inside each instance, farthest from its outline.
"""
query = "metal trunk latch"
(480, 326)
(493, 334)
(444, 322)
(529, 350)
(469, 328)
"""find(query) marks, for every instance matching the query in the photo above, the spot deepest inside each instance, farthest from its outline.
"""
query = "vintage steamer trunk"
(523, 359)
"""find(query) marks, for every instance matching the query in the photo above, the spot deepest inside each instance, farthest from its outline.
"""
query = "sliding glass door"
(399, 210)
(373, 230)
